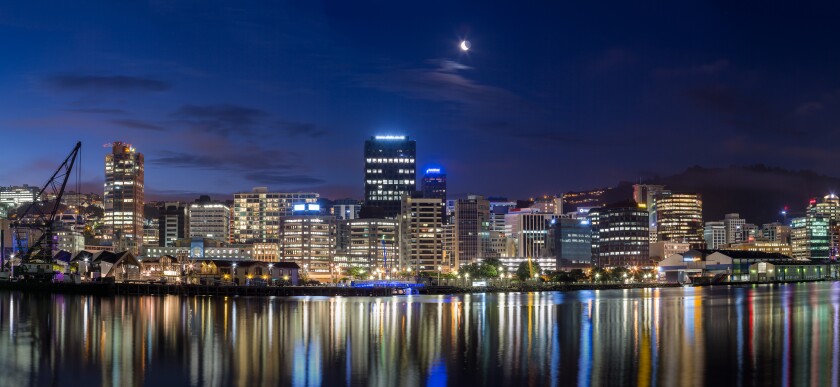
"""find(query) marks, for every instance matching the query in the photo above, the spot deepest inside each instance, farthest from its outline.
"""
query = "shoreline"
(137, 289)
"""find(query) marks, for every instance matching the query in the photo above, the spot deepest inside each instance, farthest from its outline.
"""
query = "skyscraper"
(679, 218)
(472, 229)
(621, 233)
(433, 184)
(421, 234)
(124, 199)
(389, 172)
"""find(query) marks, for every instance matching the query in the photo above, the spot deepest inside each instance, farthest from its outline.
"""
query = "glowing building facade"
(389, 172)
(257, 214)
(123, 199)
(679, 218)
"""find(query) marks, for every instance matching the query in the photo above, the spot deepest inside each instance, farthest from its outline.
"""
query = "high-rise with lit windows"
(124, 197)
(389, 172)
(679, 218)
(257, 214)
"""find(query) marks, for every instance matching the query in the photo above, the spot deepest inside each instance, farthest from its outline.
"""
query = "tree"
(356, 272)
(527, 270)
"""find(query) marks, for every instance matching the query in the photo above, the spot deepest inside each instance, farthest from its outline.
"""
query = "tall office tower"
(622, 235)
(679, 218)
(527, 231)
(346, 209)
(472, 229)
(209, 219)
(433, 184)
(421, 234)
(257, 214)
(368, 243)
(734, 228)
(826, 210)
(389, 172)
(715, 235)
(571, 241)
(173, 223)
(810, 238)
(123, 197)
(776, 232)
(309, 241)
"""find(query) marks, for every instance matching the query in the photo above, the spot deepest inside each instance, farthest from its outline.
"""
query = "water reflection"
(783, 335)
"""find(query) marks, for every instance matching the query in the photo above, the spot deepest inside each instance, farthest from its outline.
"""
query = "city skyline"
(548, 88)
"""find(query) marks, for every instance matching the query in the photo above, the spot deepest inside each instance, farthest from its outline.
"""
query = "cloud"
(96, 111)
(222, 119)
(484, 108)
(442, 83)
(240, 159)
(694, 70)
(281, 179)
(300, 129)
(137, 124)
(107, 83)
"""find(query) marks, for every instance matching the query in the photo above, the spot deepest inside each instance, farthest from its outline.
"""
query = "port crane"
(37, 223)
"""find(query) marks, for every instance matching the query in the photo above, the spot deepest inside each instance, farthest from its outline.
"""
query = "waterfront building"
(389, 172)
(173, 222)
(715, 265)
(810, 237)
(679, 218)
(209, 219)
(527, 232)
(421, 234)
(124, 199)
(150, 233)
(309, 241)
(511, 264)
(69, 240)
(715, 235)
(764, 246)
(623, 236)
(571, 241)
(368, 243)
(472, 229)
(827, 209)
(661, 250)
(257, 214)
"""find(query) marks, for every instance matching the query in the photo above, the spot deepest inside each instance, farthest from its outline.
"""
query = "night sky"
(224, 96)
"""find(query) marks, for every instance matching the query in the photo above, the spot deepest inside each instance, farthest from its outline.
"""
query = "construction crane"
(37, 223)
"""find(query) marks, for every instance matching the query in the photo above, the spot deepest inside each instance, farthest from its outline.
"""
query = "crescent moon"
(465, 45)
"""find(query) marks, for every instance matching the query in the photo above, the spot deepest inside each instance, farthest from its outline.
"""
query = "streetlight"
(439, 269)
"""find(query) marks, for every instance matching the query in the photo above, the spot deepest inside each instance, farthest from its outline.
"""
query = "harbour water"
(726, 335)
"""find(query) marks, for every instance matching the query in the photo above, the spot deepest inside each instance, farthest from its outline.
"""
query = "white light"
(390, 137)
(465, 45)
